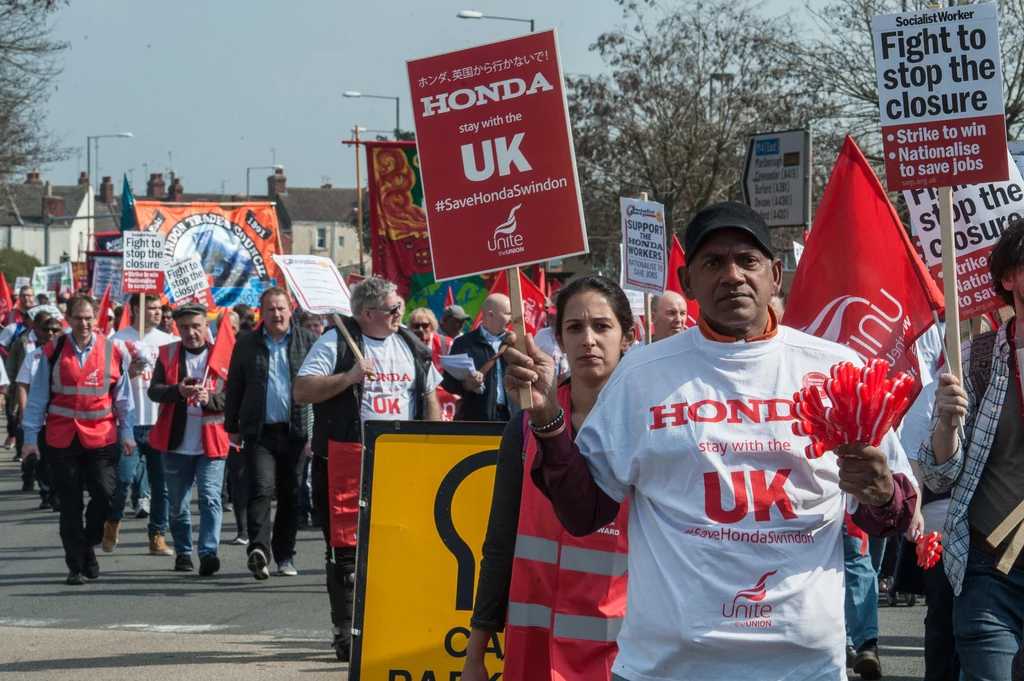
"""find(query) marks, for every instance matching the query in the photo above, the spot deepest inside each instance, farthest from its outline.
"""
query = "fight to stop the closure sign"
(941, 97)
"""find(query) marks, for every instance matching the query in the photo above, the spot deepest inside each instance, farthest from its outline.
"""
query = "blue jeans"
(861, 593)
(208, 475)
(131, 475)
(987, 619)
(157, 481)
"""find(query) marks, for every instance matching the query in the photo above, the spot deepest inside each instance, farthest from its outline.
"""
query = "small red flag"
(220, 355)
(126, 317)
(534, 309)
(103, 323)
(677, 259)
(860, 282)
(449, 299)
(5, 297)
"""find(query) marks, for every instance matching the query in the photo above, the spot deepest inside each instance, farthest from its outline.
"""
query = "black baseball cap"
(726, 215)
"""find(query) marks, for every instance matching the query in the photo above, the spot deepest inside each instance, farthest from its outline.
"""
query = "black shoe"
(92, 566)
(183, 564)
(45, 504)
(342, 649)
(303, 520)
(28, 487)
(314, 521)
(56, 504)
(851, 656)
(257, 564)
(867, 664)
(75, 579)
(208, 565)
(17, 458)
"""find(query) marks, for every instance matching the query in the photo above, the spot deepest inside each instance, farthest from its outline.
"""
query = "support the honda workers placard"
(495, 150)
(940, 90)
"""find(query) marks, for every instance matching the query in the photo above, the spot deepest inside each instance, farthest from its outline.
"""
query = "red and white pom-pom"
(929, 549)
(864, 405)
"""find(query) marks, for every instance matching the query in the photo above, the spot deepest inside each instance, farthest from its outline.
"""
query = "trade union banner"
(399, 246)
(235, 243)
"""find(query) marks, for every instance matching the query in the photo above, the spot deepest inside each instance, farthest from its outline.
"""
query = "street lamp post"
(470, 14)
(88, 151)
(353, 93)
(251, 168)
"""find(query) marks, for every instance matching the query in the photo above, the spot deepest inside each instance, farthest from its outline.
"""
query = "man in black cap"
(735, 553)
(189, 433)
(453, 319)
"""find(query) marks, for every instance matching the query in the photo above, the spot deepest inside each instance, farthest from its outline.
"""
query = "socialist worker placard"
(495, 148)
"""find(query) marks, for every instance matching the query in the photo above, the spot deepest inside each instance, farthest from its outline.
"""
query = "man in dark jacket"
(483, 396)
(271, 428)
(395, 380)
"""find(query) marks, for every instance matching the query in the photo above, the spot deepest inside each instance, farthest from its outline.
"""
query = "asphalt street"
(140, 620)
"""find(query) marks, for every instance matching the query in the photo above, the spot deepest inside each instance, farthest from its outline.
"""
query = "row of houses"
(312, 220)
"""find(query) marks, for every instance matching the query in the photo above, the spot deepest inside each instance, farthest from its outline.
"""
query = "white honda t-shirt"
(192, 441)
(390, 396)
(735, 553)
(146, 411)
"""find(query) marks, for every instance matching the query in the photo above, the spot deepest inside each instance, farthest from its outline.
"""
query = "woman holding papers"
(561, 597)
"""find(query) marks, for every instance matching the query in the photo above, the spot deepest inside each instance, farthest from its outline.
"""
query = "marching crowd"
(632, 535)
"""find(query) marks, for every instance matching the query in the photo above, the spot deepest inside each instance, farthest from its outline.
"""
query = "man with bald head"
(669, 312)
(483, 397)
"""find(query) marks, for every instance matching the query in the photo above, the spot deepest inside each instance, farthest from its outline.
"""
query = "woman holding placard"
(530, 562)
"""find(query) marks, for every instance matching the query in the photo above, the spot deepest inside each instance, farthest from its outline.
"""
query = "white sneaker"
(240, 540)
(143, 510)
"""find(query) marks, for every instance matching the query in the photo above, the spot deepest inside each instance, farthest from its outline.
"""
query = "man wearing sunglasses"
(396, 381)
(45, 329)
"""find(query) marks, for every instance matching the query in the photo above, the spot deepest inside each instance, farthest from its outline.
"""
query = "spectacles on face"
(83, 320)
(395, 309)
(421, 325)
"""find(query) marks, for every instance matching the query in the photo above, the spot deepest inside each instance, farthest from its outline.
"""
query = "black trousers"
(274, 462)
(36, 468)
(97, 468)
(239, 480)
(341, 563)
(941, 662)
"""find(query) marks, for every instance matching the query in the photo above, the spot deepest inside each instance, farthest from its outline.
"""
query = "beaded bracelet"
(550, 434)
(559, 420)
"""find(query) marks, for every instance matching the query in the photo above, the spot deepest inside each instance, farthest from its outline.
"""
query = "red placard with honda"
(495, 151)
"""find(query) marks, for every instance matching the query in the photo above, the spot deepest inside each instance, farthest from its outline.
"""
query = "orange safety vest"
(568, 594)
(215, 438)
(439, 346)
(81, 399)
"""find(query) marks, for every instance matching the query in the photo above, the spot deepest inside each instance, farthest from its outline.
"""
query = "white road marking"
(13, 622)
(909, 649)
(171, 628)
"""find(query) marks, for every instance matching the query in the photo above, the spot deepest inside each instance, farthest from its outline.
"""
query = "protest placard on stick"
(940, 96)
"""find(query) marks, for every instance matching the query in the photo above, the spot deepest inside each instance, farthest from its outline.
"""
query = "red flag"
(541, 280)
(534, 310)
(126, 317)
(860, 282)
(220, 355)
(103, 323)
(449, 299)
(677, 259)
(5, 297)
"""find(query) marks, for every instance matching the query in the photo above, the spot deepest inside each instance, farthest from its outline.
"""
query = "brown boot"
(110, 530)
(158, 547)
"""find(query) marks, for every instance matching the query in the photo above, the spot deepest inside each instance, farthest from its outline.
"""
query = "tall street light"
(88, 151)
(251, 168)
(470, 14)
(353, 93)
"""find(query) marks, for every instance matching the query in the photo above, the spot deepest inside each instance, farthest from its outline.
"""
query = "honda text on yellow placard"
(426, 496)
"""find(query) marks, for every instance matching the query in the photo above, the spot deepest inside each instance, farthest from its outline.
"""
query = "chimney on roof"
(155, 187)
(276, 183)
(33, 177)
(176, 191)
(327, 186)
(106, 194)
(83, 179)
(53, 205)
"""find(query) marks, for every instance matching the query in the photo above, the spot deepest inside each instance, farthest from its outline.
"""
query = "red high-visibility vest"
(568, 594)
(439, 346)
(215, 438)
(81, 399)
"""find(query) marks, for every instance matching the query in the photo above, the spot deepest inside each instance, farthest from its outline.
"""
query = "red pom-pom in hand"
(929, 549)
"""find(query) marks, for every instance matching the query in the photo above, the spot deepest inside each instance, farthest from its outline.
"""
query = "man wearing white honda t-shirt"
(735, 553)
(140, 371)
(396, 381)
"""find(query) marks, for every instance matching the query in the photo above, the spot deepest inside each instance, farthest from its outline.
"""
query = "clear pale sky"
(221, 83)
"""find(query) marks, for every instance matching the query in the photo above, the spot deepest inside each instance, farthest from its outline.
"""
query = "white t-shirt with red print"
(146, 411)
(735, 550)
